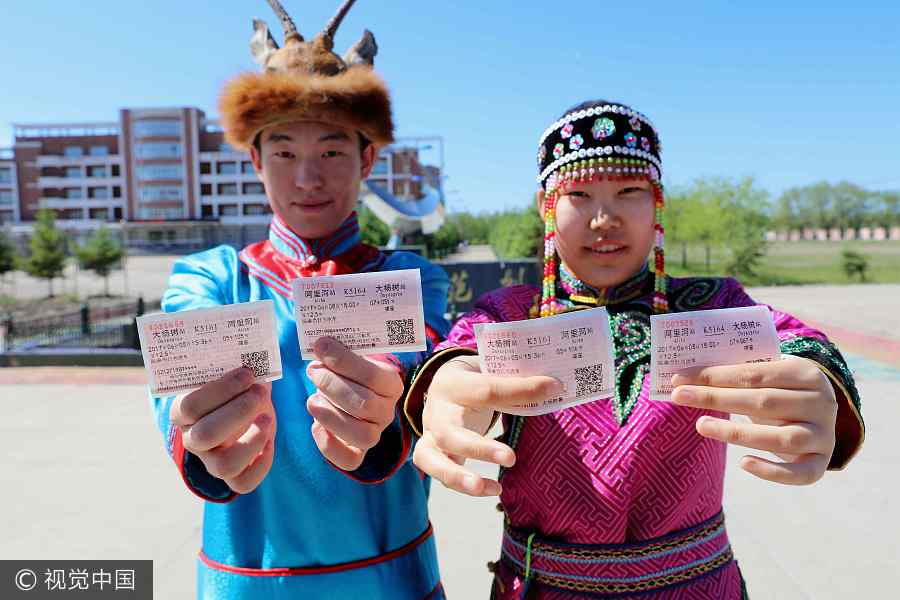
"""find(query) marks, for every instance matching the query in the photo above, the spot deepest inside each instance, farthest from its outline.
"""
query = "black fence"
(105, 326)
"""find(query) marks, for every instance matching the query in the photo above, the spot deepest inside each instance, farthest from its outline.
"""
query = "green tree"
(474, 229)
(854, 263)
(517, 233)
(823, 206)
(745, 212)
(100, 254)
(48, 249)
(443, 241)
(674, 219)
(7, 256)
(718, 212)
(372, 229)
(889, 213)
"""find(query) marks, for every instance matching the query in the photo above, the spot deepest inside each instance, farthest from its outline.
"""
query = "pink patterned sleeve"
(459, 342)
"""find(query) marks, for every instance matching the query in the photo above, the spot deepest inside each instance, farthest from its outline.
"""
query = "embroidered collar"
(579, 292)
(310, 252)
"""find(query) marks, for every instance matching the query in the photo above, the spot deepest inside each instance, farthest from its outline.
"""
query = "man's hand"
(356, 401)
(229, 424)
(458, 413)
(792, 409)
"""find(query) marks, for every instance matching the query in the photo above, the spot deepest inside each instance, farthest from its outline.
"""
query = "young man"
(331, 506)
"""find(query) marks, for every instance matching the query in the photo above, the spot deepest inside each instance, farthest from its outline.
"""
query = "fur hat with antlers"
(307, 81)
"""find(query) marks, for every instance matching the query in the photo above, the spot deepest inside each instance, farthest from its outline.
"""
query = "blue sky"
(788, 92)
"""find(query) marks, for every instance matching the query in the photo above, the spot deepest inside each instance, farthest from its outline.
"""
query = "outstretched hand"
(791, 405)
(458, 413)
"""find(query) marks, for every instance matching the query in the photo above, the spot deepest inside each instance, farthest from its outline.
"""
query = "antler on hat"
(307, 81)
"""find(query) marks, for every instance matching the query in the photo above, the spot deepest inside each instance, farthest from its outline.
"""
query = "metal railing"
(106, 326)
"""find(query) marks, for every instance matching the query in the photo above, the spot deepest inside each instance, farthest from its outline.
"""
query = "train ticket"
(706, 338)
(574, 347)
(370, 313)
(184, 350)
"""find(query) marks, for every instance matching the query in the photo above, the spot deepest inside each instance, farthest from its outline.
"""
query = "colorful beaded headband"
(607, 141)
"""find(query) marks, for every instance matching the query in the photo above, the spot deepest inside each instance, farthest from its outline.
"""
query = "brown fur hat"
(307, 81)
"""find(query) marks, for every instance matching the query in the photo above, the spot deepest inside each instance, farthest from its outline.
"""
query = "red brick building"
(154, 167)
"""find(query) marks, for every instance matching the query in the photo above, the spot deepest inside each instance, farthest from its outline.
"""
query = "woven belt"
(650, 565)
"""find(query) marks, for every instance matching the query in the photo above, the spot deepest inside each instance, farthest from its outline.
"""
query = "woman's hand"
(791, 406)
(459, 411)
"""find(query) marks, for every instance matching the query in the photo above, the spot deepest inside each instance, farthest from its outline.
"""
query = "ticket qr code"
(258, 362)
(401, 331)
(588, 380)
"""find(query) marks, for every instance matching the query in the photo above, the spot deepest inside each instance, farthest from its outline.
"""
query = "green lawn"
(795, 263)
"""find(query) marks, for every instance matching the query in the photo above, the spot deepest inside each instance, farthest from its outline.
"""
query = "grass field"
(796, 263)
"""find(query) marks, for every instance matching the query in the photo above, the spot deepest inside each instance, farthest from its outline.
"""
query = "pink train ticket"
(185, 350)
(574, 347)
(370, 313)
(706, 338)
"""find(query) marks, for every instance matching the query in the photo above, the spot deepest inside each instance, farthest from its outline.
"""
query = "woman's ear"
(539, 199)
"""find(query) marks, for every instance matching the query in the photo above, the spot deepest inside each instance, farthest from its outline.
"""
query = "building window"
(247, 168)
(157, 128)
(6, 197)
(206, 211)
(6, 216)
(148, 150)
(117, 192)
(381, 183)
(100, 193)
(157, 172)
(73, 151)
(73, 172)
(254, 188)
(99, 151)
(381, 167)
(73, 193)
(228, 210)
(152, 193)
(254, 209)
(96, 171)
(226, 168)
(226, 148)
(115, 170)
(5, 175)
(99, 214)
(117, 213)
(205, 168)
(148, 213)
(227, 189)
(206, 189)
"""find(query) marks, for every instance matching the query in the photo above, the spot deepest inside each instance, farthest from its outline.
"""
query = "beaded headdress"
(602, 140)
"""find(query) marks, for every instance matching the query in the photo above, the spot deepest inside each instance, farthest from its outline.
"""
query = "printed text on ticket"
(185, 350)
(370, 313)
(705, 338)
(574, 347)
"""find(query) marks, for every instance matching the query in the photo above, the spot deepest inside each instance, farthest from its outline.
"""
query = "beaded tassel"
(660, 300)
(595, 170)
(548, 293)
